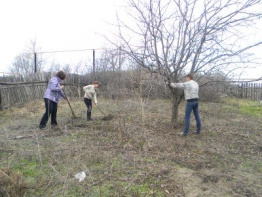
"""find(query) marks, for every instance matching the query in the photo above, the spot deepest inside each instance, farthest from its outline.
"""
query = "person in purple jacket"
(51, 97)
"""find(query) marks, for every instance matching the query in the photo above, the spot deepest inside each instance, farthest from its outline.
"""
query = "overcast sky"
(55, 24)
(62, 25)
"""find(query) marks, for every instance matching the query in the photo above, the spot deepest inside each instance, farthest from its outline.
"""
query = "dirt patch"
(213, 179)
(241, 188)
(11, 183)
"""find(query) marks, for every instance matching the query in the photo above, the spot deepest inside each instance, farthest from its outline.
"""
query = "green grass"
(30, 169)
(72, 192)
(104, 190)
(111, 189)
(252, 108)
(140, 189)
(213, 134)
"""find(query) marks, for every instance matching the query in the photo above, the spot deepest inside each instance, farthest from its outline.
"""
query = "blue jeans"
(192, 105)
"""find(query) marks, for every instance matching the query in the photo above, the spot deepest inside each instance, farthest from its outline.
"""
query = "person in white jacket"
(89, 97)
(191, 89)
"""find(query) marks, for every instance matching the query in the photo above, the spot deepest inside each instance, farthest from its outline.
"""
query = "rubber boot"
(89, 116)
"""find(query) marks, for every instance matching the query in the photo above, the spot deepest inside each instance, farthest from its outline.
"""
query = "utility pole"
(35, 62)
(120, 58)
(94, 61)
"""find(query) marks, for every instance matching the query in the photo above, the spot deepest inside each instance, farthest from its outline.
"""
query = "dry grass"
(137, 153)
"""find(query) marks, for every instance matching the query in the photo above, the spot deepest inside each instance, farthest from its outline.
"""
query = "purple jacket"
(53, 91)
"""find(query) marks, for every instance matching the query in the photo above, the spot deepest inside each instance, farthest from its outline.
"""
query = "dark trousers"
(192, 105)
(50, 109)
(88, 103)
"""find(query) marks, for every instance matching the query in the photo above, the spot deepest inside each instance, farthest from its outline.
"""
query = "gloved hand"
(167, 81)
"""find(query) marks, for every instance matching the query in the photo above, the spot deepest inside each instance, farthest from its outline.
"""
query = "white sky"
(61, 25)
(55, 24)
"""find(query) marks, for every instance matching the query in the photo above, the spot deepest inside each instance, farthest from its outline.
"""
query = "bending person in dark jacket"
(51, 97)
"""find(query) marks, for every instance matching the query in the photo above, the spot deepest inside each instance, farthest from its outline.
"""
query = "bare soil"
(136, 153)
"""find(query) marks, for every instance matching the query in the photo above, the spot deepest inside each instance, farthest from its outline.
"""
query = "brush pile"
(11, 183)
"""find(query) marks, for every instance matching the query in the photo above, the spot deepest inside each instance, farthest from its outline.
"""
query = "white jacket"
(190, 89)
(90, 92)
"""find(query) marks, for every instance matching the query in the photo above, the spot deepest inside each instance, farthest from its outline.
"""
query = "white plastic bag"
(80, 176)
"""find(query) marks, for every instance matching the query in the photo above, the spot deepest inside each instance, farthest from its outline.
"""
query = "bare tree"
(111, 59)
(67, 68)
(54, 67)
(174, 37)
(24, 63)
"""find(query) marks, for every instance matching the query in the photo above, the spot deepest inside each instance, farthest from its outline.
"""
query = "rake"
(73, 113)
(106, 117)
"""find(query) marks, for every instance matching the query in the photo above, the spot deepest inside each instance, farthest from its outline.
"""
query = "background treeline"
(17, 90)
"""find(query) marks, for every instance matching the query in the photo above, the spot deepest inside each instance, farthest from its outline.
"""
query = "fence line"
(17, 91)
(17, 95)
(252, 91)
(20, 94)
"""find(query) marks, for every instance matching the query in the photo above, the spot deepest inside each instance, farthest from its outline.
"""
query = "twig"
(38, 148)
(21, 137)
(7, 176)
(49, 182)
(132, 181)
(54, 169)
(89, 173)
(6, 133)
(6, 150)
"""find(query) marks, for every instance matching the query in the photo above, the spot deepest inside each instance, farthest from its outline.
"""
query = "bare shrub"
(212, 86)
(210, 93)
(126, 84)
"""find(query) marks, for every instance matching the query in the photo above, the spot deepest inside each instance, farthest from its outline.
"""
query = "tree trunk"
(174, 117)
(177, 97)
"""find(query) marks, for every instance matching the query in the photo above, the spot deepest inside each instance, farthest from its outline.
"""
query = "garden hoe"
(106, 117)
(73, 113)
